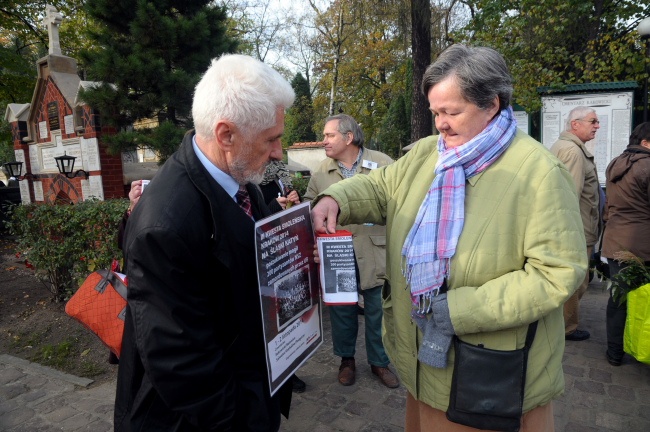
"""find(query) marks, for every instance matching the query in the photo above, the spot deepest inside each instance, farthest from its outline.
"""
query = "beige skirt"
(421, 417)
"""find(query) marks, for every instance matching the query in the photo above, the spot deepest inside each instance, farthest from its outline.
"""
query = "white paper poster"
(338, 268)
(523, 123)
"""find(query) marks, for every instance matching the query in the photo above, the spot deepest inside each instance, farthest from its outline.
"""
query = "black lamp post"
(644, 31)
(15, 170)
(65, 165)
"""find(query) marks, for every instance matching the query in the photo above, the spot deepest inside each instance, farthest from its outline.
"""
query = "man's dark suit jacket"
(193, 351)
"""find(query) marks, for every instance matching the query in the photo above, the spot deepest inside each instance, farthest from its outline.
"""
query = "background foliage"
(299, 121)
(65, 243)
(148, 57)
(560, 42)
(356, 56)
(300, 184)
(361, 57)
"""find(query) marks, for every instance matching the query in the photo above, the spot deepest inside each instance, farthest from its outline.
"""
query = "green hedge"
(66, 242)
(300, 184)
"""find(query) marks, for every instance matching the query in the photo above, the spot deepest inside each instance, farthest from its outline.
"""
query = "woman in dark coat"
(627, 218)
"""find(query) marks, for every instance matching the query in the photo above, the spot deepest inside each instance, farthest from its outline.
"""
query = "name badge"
(369, 164)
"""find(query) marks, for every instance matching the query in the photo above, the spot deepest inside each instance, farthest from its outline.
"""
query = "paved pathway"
(598, 397)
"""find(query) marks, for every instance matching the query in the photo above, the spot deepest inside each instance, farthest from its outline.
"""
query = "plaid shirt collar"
(347, 173)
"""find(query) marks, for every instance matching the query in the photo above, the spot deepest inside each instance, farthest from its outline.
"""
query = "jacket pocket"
(379, 255)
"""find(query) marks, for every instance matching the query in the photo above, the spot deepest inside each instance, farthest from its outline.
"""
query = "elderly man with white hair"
(193, 354)
(581, 126)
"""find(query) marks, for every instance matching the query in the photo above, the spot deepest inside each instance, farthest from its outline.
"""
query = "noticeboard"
(614, 111)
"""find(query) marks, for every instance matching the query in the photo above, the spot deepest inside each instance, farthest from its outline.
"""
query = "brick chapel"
(57, 123)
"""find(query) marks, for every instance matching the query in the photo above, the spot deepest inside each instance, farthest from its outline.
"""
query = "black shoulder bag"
(487, 387)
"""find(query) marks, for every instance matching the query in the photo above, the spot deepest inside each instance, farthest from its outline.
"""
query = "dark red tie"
(244, 200)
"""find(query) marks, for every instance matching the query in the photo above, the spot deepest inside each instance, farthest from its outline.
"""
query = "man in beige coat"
(347, 157)
(581, 126)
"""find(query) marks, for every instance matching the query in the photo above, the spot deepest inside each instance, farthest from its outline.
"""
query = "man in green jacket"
(346, 157)
(581, 126)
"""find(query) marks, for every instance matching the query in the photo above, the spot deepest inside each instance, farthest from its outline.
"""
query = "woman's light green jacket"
(519, 257)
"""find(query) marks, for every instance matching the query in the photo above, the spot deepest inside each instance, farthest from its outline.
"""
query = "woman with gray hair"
(483, 234)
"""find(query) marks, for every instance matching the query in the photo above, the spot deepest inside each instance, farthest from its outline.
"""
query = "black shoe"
(613, 360)
(297, 385)
(578, 335)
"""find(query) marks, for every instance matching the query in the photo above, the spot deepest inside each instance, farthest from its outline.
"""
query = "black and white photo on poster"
(293, 293)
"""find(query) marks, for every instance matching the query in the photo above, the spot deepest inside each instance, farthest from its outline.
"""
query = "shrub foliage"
(64, 243)
(300, 184)
(634, 275)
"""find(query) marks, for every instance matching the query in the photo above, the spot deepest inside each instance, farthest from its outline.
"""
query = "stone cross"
(52, 20)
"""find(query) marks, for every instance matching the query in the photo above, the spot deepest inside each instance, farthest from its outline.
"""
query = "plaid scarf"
(434, 235)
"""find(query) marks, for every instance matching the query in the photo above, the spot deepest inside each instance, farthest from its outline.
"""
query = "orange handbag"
(100, 305)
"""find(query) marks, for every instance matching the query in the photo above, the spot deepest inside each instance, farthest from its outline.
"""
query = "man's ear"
(224, 132)
(349, 137)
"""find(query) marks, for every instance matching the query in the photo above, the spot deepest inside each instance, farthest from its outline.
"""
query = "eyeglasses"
(592, 121)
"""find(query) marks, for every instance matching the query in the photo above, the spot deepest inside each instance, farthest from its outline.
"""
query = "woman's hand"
(324, 215)
(293, 197)
(134, 194)
(282, 201)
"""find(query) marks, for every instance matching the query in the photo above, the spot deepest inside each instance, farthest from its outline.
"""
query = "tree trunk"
(335, 78)
(421, 121)
(337, 60)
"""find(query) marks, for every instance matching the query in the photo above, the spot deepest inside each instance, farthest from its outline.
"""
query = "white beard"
(242, 175)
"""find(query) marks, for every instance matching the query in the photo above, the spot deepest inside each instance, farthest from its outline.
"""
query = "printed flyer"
(338, 270)
(288, 281)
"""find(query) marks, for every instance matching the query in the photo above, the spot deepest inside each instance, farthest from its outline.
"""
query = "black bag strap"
(110, 277)
(532, 329)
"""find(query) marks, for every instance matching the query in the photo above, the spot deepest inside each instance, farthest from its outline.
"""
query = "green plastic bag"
(636, 341)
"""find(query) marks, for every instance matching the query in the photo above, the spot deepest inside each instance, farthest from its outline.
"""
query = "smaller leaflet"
(338, 268)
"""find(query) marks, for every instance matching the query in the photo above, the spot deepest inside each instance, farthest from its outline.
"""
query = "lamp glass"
(65, 163)
(15, 169)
